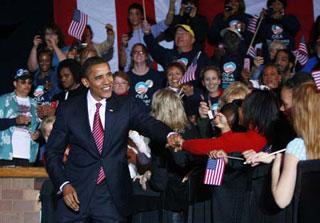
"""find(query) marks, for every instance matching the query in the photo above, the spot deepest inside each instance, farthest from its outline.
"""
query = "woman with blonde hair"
(306, 121)
(168, 108)
(169, 168)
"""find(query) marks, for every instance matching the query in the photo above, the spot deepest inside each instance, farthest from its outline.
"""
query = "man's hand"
(70, 197)
(175, 141)
(109, 29)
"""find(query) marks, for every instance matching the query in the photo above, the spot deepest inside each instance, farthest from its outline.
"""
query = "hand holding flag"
(302, 52)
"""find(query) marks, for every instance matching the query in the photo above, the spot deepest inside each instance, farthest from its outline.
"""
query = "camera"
(188, 9)
(228, 8)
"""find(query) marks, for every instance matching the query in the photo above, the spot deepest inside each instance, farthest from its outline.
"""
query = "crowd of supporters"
(231, 103)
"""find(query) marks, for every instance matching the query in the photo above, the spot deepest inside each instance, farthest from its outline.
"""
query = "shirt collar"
(92, 102)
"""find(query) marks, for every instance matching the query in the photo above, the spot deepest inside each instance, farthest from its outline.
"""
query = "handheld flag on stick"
(302, 52)
(190, 74)
(316, 77)
(214, 172)
(252, 26)
(252, 52)
(256, 29)
(78, 24)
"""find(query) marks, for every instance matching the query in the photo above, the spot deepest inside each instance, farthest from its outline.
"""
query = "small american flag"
(214, 172)
(252, 27)
(302, 52)
(316, 77)
(252, 52)
(78, 24)
(190, 74)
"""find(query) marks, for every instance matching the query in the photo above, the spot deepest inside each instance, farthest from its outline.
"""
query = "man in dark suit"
(95, 180)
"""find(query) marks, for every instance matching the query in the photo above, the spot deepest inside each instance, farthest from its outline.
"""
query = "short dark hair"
(284, 3)
(178, 65)
(44, 51)
(85, 69)
(73, 66)
(136, 6)
(261, 110)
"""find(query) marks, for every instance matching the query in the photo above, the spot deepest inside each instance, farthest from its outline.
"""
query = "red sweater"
(229, 142)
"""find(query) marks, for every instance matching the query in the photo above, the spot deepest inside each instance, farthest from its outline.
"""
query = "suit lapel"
(111, 110)
(85, 127)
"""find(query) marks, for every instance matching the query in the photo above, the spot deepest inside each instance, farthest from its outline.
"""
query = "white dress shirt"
(91, 103)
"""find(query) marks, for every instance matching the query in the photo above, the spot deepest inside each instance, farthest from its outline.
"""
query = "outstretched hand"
(252, 158)
(175, 141)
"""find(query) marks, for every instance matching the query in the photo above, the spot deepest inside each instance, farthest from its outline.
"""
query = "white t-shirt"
(21, 137)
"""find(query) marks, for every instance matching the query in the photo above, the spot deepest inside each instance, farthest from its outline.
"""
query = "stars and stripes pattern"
(190, 74)
(316, 78)
(252, 52)
(78, 24)
(252, 26)
(302, 52)
(98, 135)
(214, 172)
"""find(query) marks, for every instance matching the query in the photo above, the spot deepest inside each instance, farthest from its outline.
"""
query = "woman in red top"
(257, 113)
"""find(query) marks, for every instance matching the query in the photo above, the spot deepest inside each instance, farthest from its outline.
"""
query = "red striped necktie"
(98, 135)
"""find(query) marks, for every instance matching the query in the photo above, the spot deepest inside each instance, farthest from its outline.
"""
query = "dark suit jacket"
(72, 127)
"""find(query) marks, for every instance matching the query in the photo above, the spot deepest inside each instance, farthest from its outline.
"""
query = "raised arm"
(32, 59)
(102, 48)
(229, 142)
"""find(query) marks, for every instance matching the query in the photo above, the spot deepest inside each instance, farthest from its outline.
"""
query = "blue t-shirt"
(143, 87)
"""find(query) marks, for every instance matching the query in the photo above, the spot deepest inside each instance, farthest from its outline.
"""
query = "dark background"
(19, 21)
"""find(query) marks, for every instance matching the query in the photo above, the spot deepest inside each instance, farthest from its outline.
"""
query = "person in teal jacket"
(18, 123)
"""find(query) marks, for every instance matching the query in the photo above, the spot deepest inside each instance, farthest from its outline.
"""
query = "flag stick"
(295, 62)
(255, 34)
(276, 152)
(144, 10)
(234, 157)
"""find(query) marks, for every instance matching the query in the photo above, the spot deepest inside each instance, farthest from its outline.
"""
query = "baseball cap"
(231, 29)
(186, 28)
(22, 74)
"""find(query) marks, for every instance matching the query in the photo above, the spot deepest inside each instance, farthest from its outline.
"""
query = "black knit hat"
(284, 3)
